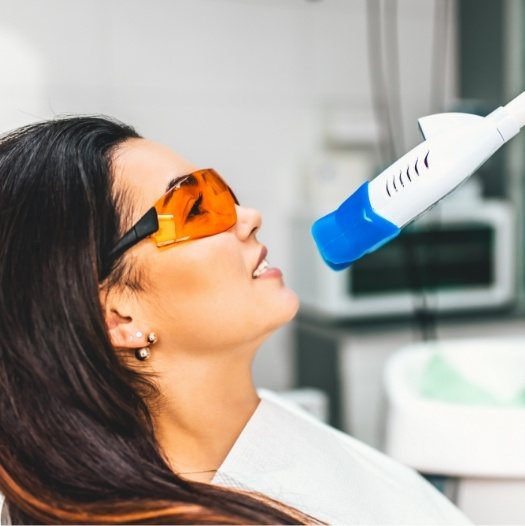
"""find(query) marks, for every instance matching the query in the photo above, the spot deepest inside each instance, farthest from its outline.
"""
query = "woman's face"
(199, 295)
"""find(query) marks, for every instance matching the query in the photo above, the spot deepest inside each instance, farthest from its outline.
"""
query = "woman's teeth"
(263, 267)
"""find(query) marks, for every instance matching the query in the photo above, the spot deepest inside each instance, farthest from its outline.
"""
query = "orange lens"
(199, 205)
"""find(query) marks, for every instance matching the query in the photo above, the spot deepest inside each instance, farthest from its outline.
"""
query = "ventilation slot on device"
(399, 177)
(425, 161)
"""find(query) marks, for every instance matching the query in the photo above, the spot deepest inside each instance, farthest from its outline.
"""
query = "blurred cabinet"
(346, 361)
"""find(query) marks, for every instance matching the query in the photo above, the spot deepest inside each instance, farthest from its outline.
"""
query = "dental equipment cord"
(426, 313)
(387, 104)
(414, 266)
(439, 55)
(395, 101)
(378, 81)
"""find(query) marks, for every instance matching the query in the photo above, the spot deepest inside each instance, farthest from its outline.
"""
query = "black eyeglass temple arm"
(148, 224)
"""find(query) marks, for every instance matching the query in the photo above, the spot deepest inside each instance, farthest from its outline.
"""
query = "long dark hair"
(76, 437)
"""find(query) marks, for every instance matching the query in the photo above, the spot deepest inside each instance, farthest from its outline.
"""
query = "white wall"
(235, 84)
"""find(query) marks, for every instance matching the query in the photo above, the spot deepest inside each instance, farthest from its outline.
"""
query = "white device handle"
(455, 145)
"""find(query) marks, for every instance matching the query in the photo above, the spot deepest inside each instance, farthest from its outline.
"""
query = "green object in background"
(440, 381)
(520, 399)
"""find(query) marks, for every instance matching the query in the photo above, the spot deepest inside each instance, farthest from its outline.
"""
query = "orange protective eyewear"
(196, 205)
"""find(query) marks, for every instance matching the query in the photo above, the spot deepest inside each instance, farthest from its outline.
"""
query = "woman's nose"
(248, 221)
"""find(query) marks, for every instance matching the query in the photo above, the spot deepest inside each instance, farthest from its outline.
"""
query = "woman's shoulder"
(333, 445)
(282, 408)
(296, 421)
(286, 453)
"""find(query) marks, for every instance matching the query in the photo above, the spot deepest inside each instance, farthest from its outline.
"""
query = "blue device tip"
(351, 231)
(332, 243)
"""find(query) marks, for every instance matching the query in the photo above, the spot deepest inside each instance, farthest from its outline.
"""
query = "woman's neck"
(205, 404)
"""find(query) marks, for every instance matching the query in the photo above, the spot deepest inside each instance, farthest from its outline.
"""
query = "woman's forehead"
(145, 168)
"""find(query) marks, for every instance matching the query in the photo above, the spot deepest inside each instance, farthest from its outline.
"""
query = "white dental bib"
(288, 455)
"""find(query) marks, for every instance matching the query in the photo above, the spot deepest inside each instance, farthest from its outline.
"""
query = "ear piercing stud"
(144, 353)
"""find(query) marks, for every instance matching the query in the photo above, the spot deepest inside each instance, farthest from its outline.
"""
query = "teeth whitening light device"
(455, 145)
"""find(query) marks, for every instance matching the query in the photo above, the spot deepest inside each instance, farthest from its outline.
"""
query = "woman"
(134, 295)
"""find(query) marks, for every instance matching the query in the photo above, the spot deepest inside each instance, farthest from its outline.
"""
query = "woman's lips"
(271, 272)
(263, 269)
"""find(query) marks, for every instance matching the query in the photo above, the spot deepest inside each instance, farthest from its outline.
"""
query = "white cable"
(516, 108)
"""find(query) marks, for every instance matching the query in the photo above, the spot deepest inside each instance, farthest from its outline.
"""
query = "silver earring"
(142, 354)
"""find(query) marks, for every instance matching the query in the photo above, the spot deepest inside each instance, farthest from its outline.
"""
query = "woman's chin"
(287, 308)
(296, 303)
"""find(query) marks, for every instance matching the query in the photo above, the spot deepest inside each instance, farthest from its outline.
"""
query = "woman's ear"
(123, 330)
(123, 333)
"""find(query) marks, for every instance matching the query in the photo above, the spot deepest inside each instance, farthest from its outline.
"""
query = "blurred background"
(417, 349)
